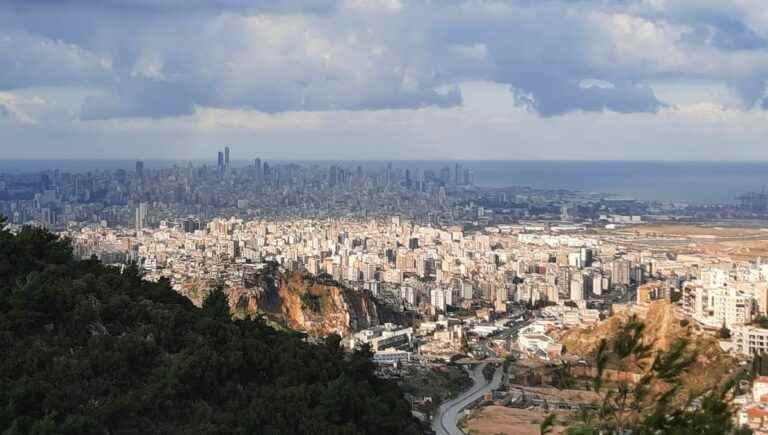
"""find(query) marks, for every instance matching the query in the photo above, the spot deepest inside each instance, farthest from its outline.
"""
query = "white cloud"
(435, 73)
(34, 60)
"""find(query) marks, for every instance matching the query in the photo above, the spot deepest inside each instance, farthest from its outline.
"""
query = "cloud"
(12, 109)
(143, 98)
(186, 6)
(164, 58)
(35, 60)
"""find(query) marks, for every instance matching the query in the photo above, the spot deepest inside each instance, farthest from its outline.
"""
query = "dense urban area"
(495, 310)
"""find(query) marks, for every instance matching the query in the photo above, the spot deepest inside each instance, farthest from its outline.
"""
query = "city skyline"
(412, 217)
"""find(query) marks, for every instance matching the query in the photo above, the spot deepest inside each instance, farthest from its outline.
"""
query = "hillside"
(709, 368)
(307, 304)
(318, 306)
(89, 350)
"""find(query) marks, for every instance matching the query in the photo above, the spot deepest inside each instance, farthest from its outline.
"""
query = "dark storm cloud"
(564, 97)
(142, 99)
(161, 58)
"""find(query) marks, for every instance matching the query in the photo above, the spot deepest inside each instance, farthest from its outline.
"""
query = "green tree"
(216, 305)
(761, 321)
(625, 407)
(88, 349)
(546, 426)
(628, 341)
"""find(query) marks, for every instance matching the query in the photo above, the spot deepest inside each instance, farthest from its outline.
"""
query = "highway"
(447, 415)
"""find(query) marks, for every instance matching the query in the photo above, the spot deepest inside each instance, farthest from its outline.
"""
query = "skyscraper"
(267, 173)
(140, 170)
(220, 165)
(437, 299)
(577, 287)
(259, 170)
(333, 175)
(227, 165)
(456, 174)
(141, 215)
(620, 270)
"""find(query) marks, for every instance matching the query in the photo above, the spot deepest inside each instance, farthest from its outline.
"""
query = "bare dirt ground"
(493, 420)
(711, 367)
(738, 250)
(688, 230)
(738, 243)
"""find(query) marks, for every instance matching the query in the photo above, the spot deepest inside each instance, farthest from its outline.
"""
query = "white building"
(571, 318)
(577, 287)
(437, 299)
(391, 357)
(760, 389)
(383, 337)
(408, 294)
(750, 340)
(716, 307)
(532, 342)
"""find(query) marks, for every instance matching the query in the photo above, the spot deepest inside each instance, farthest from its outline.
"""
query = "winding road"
(447, 415)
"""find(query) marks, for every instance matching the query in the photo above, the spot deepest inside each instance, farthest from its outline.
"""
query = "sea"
(696, 182)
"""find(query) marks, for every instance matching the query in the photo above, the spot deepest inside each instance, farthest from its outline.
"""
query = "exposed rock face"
(306, 304)
(663, 327)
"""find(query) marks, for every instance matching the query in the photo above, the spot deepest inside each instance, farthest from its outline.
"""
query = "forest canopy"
(91, 349)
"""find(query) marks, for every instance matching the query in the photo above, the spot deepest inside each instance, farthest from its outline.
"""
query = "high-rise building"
(220, 164)
(267, 173)
(141, 215)
(637, 274)
(445, 175)
(564, 281)
(332, 175)
(456, 174)
(227, 165)
(259, 171)
(500, 299)
(620, 272)
(727, 307)
(597, 284)
(585, 255)
(140, 170)
(437, 299)
(408, 294)
(467, 291)
(577, 287)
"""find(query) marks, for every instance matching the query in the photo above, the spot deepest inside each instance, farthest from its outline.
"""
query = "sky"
(384, 79)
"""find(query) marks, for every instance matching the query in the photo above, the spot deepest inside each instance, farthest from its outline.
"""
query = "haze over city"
(384, 79)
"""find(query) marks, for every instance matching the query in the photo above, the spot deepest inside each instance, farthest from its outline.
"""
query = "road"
(447, 415)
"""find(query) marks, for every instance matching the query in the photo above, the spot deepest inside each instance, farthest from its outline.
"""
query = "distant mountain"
(86, 349)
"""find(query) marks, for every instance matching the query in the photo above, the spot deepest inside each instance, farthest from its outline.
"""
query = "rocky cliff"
(663, 325)
(307, 304)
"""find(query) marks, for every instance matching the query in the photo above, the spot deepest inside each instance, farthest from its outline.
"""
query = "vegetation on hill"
(660, 401)
(88, 349)
(634, 341)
